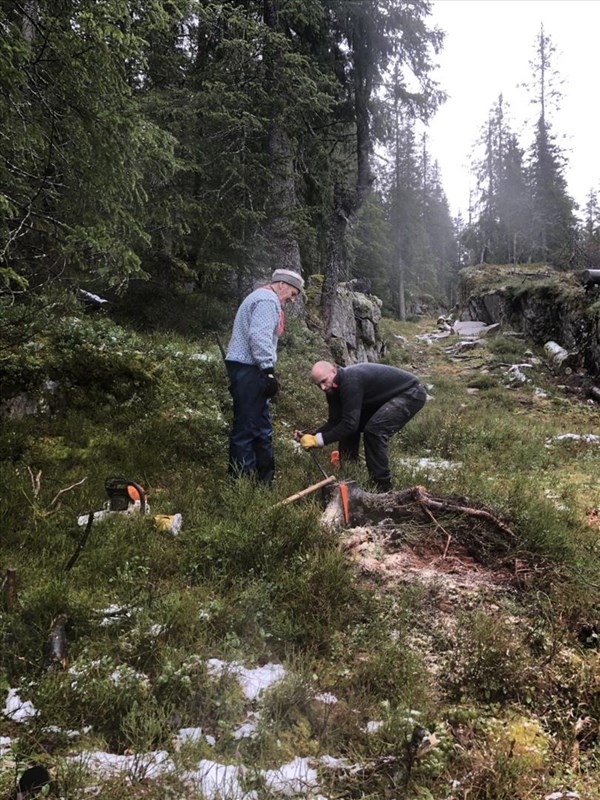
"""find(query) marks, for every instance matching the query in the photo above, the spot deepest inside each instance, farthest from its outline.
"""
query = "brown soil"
(434, 559)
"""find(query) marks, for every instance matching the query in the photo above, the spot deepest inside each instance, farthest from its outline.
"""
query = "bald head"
(323, 374)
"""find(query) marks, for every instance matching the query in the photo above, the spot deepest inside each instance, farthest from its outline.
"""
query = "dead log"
(368, 508)
(560, 358)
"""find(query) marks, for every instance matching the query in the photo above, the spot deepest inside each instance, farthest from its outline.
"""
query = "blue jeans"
(251, 438)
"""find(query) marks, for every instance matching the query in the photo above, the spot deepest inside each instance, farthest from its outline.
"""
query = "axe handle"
(292, 498)
(313, 455)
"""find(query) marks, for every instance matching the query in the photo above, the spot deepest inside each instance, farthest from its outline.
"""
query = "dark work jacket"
(359, 391)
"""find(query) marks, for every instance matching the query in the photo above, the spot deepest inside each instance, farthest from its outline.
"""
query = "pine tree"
(553, 219)
(372, 34)
(514, 205)
(74, 148)
(590, 234)
(501, 230)
(441, 235)
(247, 106)
(370, 248)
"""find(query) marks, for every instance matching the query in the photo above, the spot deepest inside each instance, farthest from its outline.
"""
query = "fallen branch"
(420, 495)
(36, 481)
(67, 489)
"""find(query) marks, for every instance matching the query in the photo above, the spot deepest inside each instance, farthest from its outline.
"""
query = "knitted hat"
(289, 277)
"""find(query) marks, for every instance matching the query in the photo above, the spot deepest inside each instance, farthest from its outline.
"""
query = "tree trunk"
(338, 224)
(30, 19)
(282, 249)
(401, 290)
(279, 245)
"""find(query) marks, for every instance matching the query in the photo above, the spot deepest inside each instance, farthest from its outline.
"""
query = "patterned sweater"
(254, 335)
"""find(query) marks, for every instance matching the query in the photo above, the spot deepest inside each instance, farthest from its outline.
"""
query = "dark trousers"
(251, 438)
(377, 430)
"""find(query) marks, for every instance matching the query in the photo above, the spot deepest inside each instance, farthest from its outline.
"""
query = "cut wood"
(368, 508)
(560, 357)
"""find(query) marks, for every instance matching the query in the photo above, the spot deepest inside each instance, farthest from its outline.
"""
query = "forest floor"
(443, 646)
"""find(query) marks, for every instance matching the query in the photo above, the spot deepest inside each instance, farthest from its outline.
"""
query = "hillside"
(256, 653)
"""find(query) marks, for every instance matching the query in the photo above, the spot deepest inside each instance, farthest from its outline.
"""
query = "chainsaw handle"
(119, 486)
(142, 495)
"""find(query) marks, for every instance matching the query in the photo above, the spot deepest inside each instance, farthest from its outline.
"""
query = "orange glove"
(308, 441)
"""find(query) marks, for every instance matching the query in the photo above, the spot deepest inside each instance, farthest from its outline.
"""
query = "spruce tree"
(553, 220)
(74, 148)
(372, 35)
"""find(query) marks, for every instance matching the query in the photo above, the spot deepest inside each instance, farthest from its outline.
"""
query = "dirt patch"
(435, 560)
(449, 545)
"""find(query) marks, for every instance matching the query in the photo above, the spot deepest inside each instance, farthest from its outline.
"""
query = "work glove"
(308, 441)
(271, 384)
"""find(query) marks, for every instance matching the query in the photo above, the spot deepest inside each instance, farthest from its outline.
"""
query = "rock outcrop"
(356, 315)
(538, 301)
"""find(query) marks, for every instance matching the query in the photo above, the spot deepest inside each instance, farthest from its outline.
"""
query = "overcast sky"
(487, 50)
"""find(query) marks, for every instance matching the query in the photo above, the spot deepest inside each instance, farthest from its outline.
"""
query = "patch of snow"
(430, 465)
(430, 338)
(156, 629)
(93, 298)
(588, 438)
(515, 373)
(252, 681)
(69, 733)
(141, 765)
(215, 781)
(297, 777)
(125, 673)
(333, 763)
(187, 735)
(374, 725)
(551, 495)
(247, 730)
(113, 613)
(5, 742)
(327, 698)
(18, 710)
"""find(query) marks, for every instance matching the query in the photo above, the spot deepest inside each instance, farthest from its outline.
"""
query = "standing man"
(372, 399)
(250, 362)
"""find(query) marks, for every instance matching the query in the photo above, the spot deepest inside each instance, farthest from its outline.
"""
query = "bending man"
(373, 399)
(250, 360)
